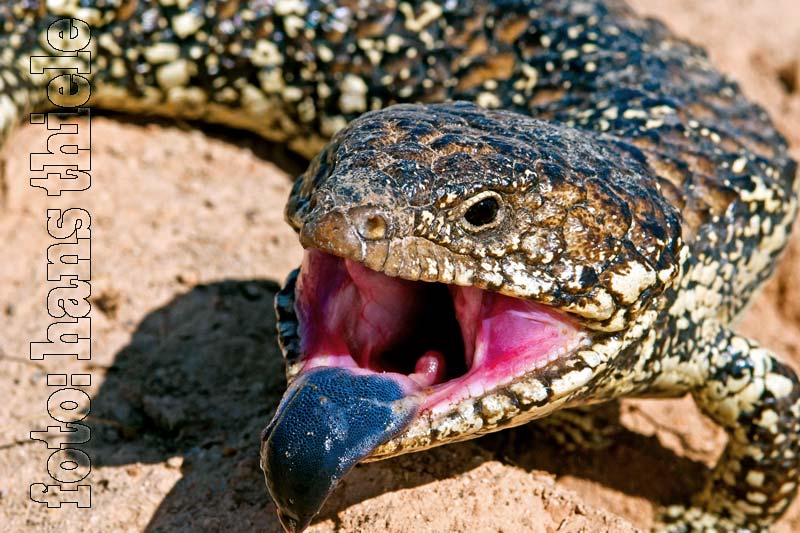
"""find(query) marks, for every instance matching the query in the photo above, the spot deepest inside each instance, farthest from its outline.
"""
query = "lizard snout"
(332, 232)
(345, 232)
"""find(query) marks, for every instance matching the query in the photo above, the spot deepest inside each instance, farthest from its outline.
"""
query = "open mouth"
(443, 342)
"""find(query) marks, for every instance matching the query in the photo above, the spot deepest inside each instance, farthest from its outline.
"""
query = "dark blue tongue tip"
(329, 419)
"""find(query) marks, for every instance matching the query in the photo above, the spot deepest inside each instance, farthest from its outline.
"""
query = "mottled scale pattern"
(581, 220)
(642, 192)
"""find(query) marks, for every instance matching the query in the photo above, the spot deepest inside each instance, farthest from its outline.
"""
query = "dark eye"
(483, 212)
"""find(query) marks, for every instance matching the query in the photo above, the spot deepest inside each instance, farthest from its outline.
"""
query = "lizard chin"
(441, 342)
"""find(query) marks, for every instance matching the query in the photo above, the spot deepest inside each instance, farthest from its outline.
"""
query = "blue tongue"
(328, 420)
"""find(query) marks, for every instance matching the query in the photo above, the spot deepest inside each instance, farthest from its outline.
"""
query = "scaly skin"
(641, 193)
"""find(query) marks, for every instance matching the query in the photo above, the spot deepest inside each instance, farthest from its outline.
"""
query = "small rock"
(107, 302)
(175, 462)
(187, 278)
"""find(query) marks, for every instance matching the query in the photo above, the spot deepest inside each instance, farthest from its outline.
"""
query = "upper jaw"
(371, 236)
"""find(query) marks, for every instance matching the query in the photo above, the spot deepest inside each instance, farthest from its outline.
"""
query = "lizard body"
(580, 221)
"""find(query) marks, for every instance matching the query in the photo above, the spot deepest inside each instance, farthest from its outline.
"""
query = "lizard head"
(465, 270)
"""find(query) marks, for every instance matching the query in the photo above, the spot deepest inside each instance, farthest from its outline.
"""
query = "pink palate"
(510, 337)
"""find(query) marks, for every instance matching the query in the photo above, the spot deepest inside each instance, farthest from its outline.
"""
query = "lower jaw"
(372, 377)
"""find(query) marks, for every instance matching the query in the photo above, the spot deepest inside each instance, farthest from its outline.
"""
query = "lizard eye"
(483, 211)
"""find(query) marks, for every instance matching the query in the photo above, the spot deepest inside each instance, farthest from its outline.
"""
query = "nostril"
(371, 224)
(375, 227)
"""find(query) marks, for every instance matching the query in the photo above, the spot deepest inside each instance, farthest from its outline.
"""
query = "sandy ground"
(188, 246)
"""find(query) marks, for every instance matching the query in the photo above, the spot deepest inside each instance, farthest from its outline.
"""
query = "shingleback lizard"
(569, 205)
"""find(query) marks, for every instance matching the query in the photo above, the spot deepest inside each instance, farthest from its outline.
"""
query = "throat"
(433, 348)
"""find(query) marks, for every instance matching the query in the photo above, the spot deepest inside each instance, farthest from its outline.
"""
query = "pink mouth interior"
(446, 341)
